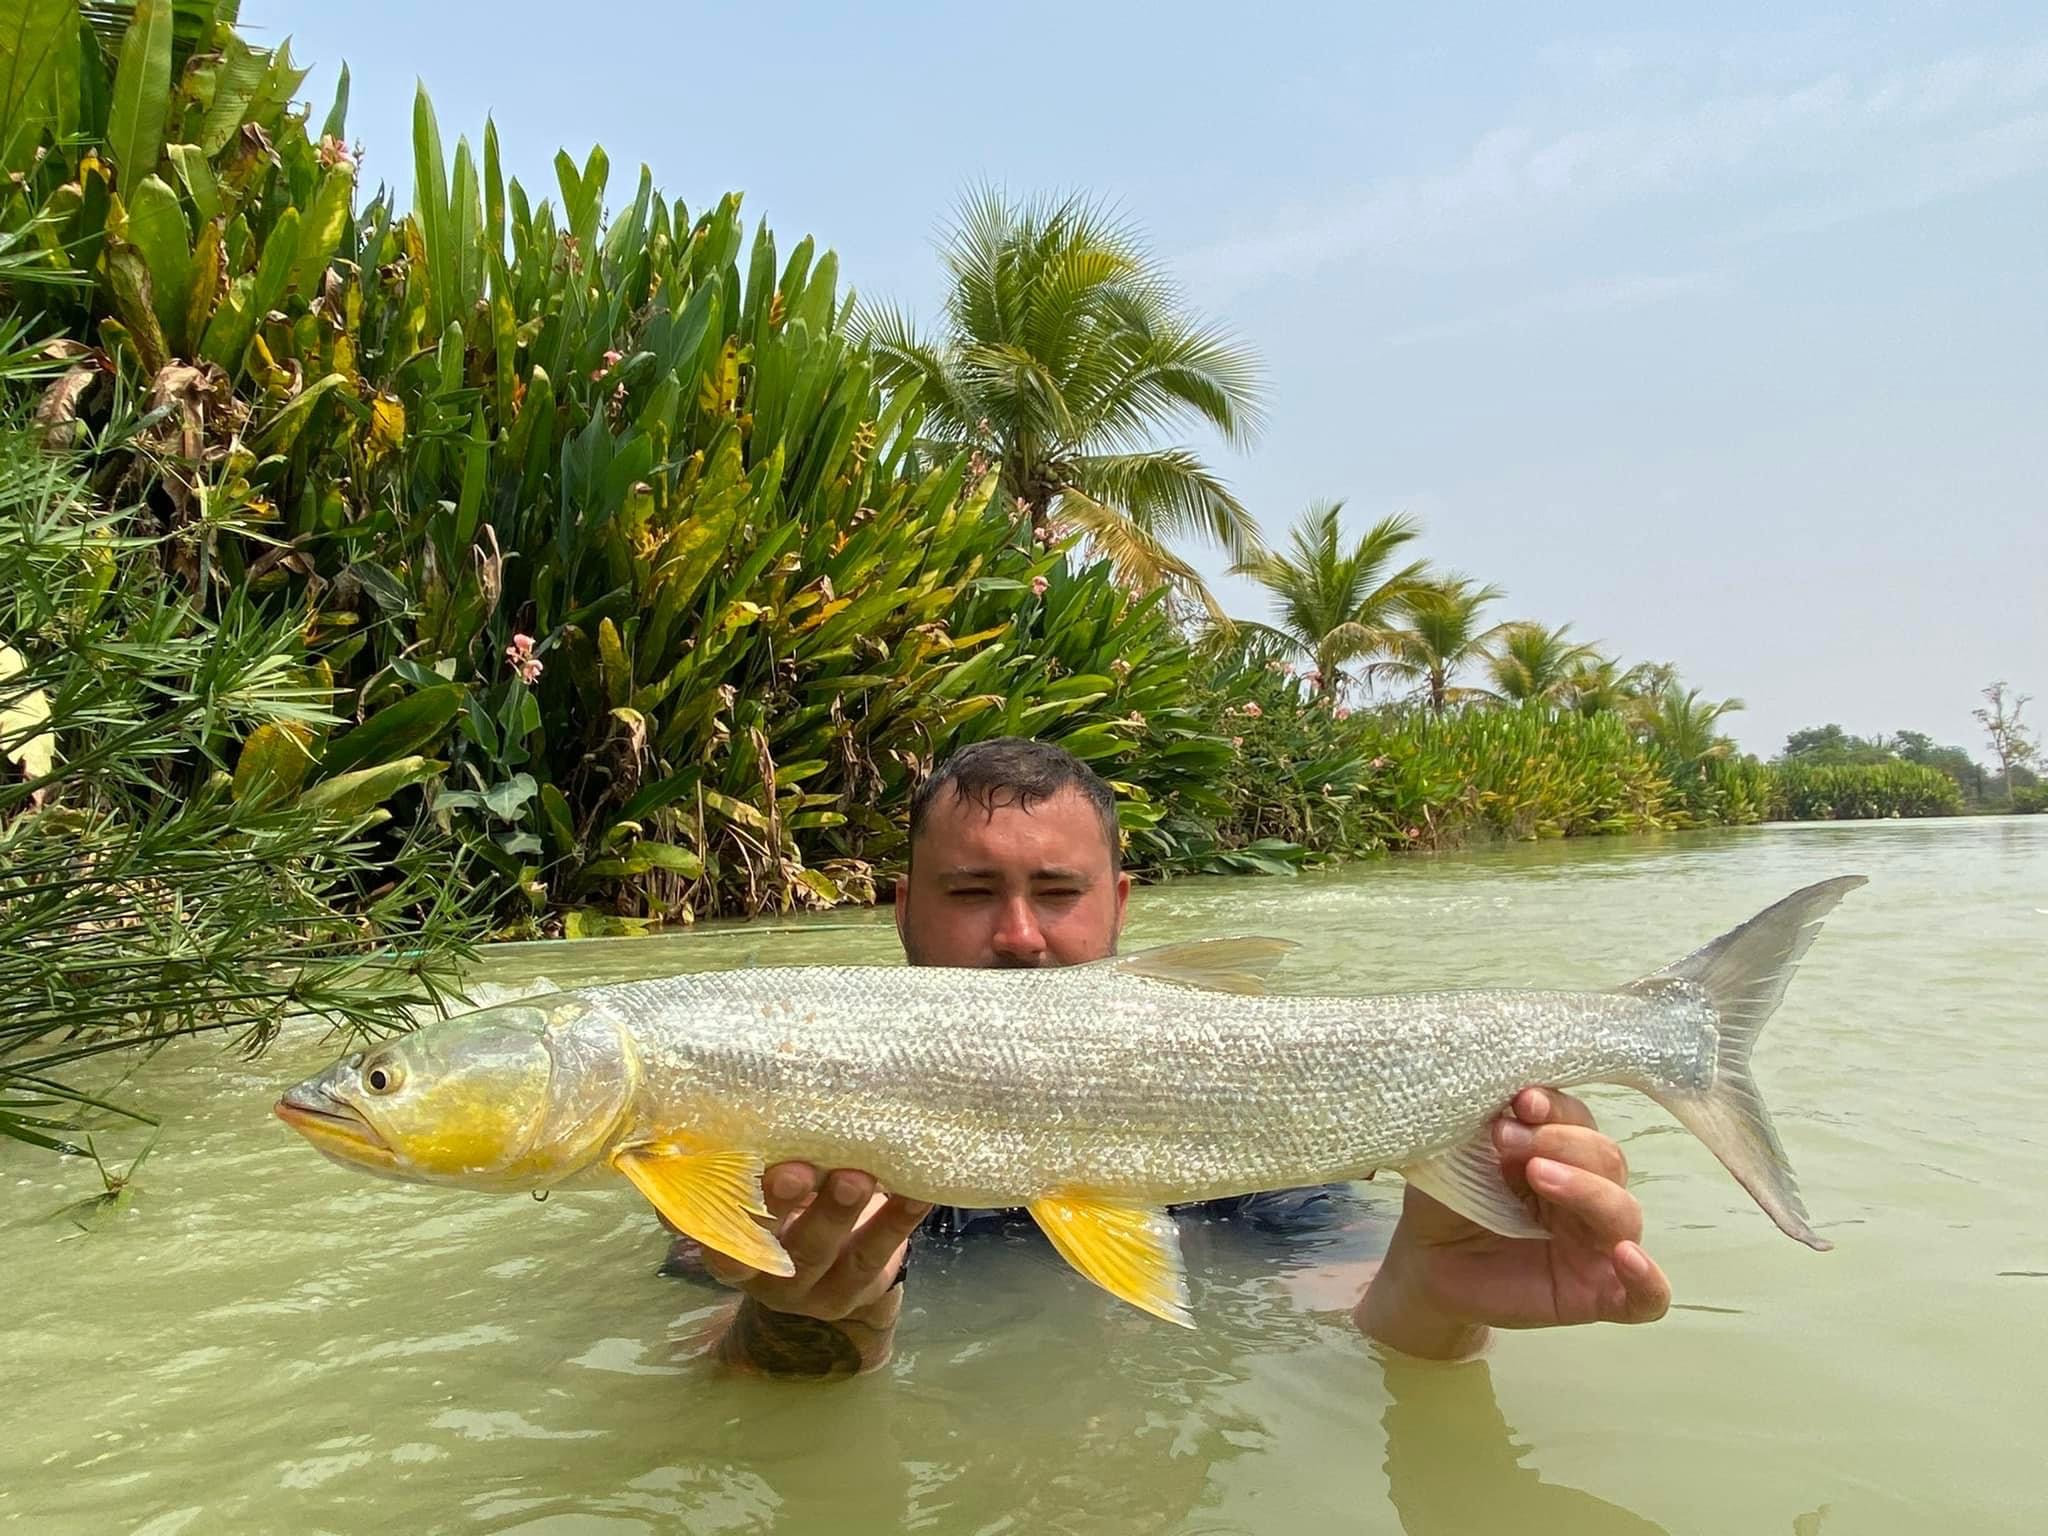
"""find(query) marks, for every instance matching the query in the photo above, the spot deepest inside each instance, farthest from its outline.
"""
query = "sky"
(1722, 341)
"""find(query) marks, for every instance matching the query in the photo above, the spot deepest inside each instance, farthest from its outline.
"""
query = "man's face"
(1019, 888)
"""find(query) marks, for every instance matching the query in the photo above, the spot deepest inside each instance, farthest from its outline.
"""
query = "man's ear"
(903, 912)
(1123, 896)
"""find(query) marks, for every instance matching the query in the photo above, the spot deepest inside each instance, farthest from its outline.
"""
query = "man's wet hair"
(1014, 770)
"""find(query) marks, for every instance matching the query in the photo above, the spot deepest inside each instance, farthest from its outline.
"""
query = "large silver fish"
(1093, 1095)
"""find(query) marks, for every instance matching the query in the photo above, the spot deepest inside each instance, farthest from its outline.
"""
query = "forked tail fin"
(1744, 974)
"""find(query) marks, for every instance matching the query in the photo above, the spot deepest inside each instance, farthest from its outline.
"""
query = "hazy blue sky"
(1724, 343)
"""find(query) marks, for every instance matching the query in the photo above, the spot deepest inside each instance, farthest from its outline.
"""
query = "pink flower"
(1343, 711)
(333, 152)
(1038, 586)
(1379, 762)
(519, 656)
(1414, 832)
(1313, 679)
(1252, 708)
(611, 361)
(1135, 718)
(1236, 741)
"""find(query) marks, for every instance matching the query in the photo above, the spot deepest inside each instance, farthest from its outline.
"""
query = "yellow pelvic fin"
(1215, 965)
(1131, 1251)
(712, 1194)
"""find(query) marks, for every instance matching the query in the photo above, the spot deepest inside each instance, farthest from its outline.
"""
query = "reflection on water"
(1454, 1467)
(264, 1342)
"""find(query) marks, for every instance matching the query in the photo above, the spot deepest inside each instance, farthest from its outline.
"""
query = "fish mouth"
(334, 1127)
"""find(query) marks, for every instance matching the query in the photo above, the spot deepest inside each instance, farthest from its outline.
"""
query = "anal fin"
(1467, 1178)
(711, 1194)
(1131, 1251)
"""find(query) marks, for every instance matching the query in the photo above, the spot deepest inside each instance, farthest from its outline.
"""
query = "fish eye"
(384, 1077)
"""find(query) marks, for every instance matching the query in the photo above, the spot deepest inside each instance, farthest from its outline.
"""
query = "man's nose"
(1017, 934)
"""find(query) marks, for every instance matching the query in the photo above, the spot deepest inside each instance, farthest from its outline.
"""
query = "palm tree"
(1334, 604)
(1442, 636)
(1065, 348)
(1597, 685)
(1684, 728)
(1531, 662)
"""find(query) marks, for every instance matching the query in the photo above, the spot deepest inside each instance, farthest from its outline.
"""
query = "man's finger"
(787, 1186)
(815, 1237)
(1574, 1144)
(866, 1260)
(1646, 1293)
(1548, 1106)
(1599, 1208)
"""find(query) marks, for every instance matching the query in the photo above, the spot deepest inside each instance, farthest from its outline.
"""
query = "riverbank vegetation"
(517, 564)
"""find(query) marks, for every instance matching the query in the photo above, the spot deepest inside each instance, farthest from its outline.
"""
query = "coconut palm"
(1065, 350)
(1441, 638)
(1335, 604)
(1684, 728)
(1531, 662)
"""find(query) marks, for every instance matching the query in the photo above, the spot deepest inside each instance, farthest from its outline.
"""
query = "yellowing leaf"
(34, 754)
(387, 425)
(273, 764)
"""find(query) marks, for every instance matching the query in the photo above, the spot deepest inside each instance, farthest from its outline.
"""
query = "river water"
(264, 1342)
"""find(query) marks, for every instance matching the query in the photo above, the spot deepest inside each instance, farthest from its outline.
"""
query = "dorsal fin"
(1213, 965)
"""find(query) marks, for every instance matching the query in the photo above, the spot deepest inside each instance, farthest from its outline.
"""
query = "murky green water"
(264, 1342)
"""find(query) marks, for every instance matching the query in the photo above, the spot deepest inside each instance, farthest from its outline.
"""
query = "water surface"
(265, 1342)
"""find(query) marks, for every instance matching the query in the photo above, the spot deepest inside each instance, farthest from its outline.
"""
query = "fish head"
(496, 1099)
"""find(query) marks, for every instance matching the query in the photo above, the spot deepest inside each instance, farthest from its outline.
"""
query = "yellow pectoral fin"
(711, 1194)
(1131, 1251)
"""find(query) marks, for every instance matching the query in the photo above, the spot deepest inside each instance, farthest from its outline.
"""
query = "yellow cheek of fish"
(464, 1137)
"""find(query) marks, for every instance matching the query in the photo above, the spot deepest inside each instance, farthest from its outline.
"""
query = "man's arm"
(1447, 1282)
(836, 1316)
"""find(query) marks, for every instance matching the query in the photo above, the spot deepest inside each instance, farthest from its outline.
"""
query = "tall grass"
(145, 894)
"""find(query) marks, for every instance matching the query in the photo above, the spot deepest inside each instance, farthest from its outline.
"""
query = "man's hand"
(1446, 1280)
(836, 1315)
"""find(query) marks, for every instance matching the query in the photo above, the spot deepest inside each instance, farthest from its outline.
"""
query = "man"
(1014, 861)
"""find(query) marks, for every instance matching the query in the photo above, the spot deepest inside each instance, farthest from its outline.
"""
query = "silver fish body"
(1094, 1095)
(994, 1088)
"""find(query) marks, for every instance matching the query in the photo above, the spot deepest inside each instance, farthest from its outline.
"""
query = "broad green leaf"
(234, 323)
(820, 885)
(677, 861)
(336, 125)
(357, 793)
(235, 83)
(285, 426)
(554, 810)
(736, 810)
(273, 764)
(197, 179)
(142, 92)
(505, 800)
(411, 725)
(430, 201)
(156, 228)
(586, 923)
(34, 38)
(274, 266)
(321, 229)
